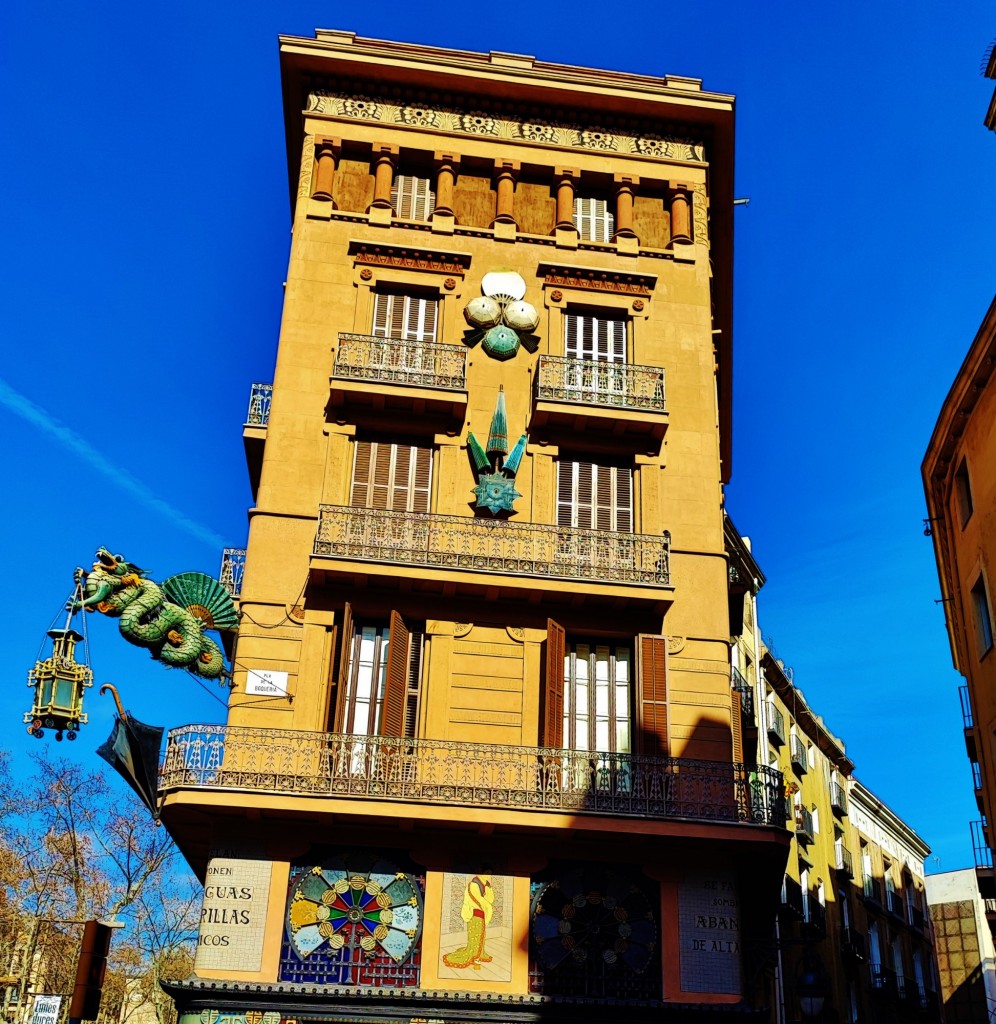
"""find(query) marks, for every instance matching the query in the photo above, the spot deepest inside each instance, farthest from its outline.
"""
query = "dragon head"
(115, 565)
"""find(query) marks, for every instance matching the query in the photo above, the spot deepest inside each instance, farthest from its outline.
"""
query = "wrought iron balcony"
(838, 797)
(883, 980)
(492, 546)
(799, 757)
(258, 414)
(746, 691)
(895, 903)
(611, 385)
(843, 860)
(852, 943)
(776, 725)
(980, 845)
(233, 564)
(816, 914)
(422, 364)
(966, 707)
(804, 831)
(449, 772)
(917, 920)
(792, 899)
(872, 890)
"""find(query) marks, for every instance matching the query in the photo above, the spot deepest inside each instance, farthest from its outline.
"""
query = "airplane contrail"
(22, 406)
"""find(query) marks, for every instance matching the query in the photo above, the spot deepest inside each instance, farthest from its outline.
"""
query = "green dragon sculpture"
(169, 619)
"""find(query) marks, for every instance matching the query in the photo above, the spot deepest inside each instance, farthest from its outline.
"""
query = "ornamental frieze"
(450, 118)
(406, 258)
(594, 279)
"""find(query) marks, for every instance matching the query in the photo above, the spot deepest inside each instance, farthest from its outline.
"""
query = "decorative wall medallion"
(591, 915)
(500, 317)
(495, 467)
(462, 628)
(638, 305)
(675, 644)
(358, 919)
(623, 136)
(516, 633)
(366, 274)
(449, 284)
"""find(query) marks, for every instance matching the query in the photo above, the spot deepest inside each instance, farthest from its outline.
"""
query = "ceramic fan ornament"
(501, 316)
(496, 468)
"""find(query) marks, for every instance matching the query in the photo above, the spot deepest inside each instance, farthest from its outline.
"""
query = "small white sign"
(261, 682)
(46, 1009)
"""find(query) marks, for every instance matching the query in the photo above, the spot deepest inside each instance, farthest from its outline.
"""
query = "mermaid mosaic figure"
(476, 910)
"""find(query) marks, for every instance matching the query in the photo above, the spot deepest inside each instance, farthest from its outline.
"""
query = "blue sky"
(146, 230)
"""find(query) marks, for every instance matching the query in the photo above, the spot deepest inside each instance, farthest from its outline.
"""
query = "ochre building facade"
(959, 476)
(483, 758)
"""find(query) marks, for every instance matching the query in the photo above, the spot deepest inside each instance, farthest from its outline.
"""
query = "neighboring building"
(959, 477)
(483, 759)
(989, 70)
(853, 915)
(966, 958)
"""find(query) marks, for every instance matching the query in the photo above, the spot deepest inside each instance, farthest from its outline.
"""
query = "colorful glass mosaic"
(595, 933)
(353, 922)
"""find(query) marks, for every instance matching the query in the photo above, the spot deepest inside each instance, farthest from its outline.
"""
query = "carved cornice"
(445, 114)
(594, 279)
(406, 257)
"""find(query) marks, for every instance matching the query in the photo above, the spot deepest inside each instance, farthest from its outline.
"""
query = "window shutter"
(652, 728)
(572, 337)
(344, 649)
(736, 725)
(602, 338)
(593, 219)
(593, 497)
(380, 475)
(360, 493)
(623, 493)
(400, 484)
(565, 493)
(412, 197)
(382, 314)
(416, 647)
(552, 696)
(392, 719)
(421, 479)
(584, 491)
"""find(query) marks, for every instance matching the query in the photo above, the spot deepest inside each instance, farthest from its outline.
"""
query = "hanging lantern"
(59, 682)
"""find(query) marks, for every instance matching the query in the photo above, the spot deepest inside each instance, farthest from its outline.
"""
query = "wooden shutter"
(602, 338)
(593, 219)
(736, 725)
(652, 703)
(594, 497)
(405, 317)
(395, 477)
(552, 693)
(343, 646)
(392, 717)
(412, 197)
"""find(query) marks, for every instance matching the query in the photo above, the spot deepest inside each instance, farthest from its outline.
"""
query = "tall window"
(406, 316)
(963, 489)
(983, 615)
(600, 336)
(598, 697)
(395, 477)
(593, 219)
(379, 677)
(594, 497)
(412, 197)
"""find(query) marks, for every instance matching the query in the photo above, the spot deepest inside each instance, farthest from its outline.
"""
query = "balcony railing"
(776, 725)
(258, 414)
(400, 361)
(799, 756)
(804, 831)
(838, 797)
(492, 545)
(917, 920)
(895, 903)
(746, 691)
(843, 860)
(792, 898)
(852, 943)
(473, 775)
(233, 564)
(980, 845)
(883, 979)
(966, 707)
(817, 914)
(587, 382)
(872, 889)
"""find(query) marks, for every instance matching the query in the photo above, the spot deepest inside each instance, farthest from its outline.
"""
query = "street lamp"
(811, 988)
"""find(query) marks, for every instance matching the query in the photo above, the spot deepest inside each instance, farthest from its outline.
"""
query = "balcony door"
(405, 316)
(379, 676)
(598, 696)
(597, 345)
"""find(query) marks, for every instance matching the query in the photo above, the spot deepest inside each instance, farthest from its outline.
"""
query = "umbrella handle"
(117, 699)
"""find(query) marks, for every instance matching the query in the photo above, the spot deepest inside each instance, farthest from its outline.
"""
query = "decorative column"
(445, 175)
(625, 185)
(386, 156)
(326, 160)
(566, 177)
(681, 213)
(505, 172)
